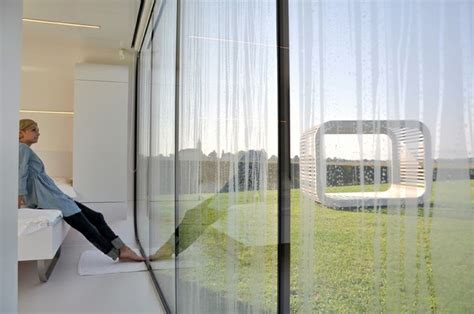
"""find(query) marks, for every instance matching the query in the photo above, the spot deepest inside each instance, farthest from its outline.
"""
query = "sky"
(377, 60)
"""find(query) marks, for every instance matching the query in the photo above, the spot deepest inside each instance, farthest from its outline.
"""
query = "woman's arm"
(23, 164)
(21, 201)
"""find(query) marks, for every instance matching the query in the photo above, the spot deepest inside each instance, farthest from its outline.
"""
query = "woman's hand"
(21, 201)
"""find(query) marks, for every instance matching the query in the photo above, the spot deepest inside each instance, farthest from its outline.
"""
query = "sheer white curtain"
(10, 67)
(227, 133)
(370, 62)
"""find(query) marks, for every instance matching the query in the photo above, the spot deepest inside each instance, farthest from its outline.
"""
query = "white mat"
(94, 262)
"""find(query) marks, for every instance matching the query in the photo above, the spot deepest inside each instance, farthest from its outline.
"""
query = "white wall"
(10, 50)
(100, 137)
(48, 84)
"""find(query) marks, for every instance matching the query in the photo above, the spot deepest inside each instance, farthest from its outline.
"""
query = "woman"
(37, 190)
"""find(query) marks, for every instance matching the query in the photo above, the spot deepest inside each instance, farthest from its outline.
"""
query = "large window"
(382, 164)
(226, 190)
(210, 211)
(382, 218)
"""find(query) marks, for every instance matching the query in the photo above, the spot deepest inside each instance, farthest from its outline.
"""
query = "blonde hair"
(26, 124)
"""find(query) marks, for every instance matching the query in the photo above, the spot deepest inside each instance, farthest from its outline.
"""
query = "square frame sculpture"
(410, 170)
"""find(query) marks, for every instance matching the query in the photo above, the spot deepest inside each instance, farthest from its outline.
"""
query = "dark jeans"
(93, 226)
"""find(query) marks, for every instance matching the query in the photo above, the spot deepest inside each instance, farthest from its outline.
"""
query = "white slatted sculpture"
(410, 172)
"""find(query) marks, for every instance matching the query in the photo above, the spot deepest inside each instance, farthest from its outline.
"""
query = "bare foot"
(163, 253)
(128, 255)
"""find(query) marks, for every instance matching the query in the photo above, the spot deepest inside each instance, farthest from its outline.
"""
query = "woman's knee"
(92, 215)
(98, 216)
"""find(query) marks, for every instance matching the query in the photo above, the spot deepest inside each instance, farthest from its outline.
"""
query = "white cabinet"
(100, 137)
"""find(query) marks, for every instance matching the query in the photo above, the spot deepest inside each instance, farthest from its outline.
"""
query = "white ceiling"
(117, 19)
(50, 52)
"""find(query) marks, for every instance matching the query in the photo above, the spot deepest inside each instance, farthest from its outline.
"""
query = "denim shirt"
(38, 189)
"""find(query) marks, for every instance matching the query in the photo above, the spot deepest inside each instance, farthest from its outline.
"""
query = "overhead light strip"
(48, 112)
(61, 23)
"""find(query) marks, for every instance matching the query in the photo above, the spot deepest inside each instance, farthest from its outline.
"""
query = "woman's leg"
(83, 225)
(97, 219)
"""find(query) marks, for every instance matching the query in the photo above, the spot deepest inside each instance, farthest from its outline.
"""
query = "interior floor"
(68, 292)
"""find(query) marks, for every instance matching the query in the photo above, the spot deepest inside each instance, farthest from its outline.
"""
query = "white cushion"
(31, 220)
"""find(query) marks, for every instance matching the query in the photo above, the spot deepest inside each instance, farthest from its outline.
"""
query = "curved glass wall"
(382, 164)
(227, 180)
(143, 143)
(162, 147)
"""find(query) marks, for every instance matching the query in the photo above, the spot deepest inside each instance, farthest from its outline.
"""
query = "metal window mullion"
(176, 147)
(284, 175)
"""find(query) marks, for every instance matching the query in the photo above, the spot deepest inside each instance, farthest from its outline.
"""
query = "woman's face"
(30, 135)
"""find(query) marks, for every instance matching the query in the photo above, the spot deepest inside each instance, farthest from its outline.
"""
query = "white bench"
(43, 242)
(41, 233)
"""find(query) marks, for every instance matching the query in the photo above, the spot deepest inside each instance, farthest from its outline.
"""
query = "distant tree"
(213, 155)
(273, 158)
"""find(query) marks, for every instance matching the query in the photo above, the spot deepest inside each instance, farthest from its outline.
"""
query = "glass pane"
(143, 145)
(227, 132)
(162, 184)
(399, 237)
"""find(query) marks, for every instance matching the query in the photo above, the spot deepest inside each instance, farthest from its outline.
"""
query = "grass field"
(358, 188)
(396, 260)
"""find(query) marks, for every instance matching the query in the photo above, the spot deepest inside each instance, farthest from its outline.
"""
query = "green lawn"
(358, 188)
(395, 260)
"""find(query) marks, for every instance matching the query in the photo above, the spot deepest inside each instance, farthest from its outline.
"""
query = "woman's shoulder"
(24, 148)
